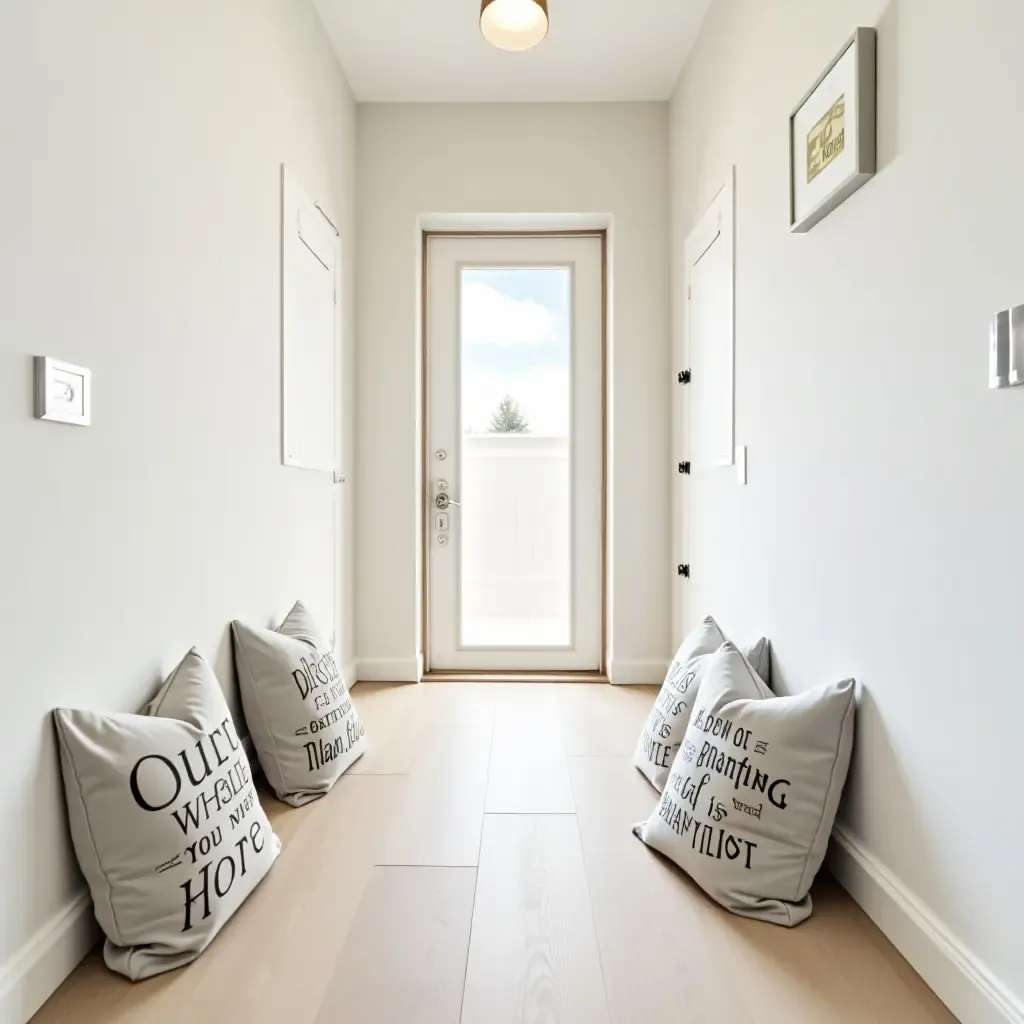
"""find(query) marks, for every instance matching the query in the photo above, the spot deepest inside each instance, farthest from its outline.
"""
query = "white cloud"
(491, 318)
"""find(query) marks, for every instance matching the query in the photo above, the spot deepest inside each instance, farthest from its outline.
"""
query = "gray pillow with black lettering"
(666, 724)
(301, 717)
(749, 804)
(166, 823)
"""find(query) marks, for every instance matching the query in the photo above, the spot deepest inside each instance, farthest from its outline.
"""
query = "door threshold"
(461, 676)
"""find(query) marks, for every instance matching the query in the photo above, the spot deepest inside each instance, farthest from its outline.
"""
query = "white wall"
(419, 160)
(879, 534)
(141, 235)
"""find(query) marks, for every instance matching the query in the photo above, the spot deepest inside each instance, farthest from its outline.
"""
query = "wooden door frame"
(601, 674)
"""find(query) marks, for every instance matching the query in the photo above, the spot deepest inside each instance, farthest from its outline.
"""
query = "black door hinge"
(684, 376)
(684, 468)
(684, 570)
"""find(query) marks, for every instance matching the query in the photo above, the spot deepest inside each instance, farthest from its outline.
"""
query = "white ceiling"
(432, 50)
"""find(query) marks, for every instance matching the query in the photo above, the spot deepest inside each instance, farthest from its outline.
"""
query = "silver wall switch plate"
(999, 350)
(63, 392)
(1016, 373)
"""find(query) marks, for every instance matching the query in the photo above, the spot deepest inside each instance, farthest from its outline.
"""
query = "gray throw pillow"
(748, 808)
(302, 720)
(666, 724)
(760, 658)
(166, 824)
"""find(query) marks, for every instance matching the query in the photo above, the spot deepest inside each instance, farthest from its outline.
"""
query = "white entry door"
(515, 453)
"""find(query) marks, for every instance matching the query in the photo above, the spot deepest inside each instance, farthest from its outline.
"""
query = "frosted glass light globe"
(514, 24)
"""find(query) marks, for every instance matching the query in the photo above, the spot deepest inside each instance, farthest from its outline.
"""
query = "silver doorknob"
(443, 501)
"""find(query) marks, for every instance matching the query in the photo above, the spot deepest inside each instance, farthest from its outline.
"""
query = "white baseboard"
(389, 670)
(36, 971)
(956, 975)
(637, 671)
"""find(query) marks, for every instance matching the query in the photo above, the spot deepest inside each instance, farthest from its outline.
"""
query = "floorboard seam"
(476, 885)
(590, 902)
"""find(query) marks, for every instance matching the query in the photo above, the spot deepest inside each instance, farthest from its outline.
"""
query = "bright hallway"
(509, 511)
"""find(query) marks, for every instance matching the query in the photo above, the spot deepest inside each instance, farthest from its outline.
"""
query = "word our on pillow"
(749, 804)
(303, 722)
(666, 724)
(165, 820)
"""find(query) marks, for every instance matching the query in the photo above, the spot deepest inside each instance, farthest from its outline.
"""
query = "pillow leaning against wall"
(749, 804)
(166, 823)
(303, 723)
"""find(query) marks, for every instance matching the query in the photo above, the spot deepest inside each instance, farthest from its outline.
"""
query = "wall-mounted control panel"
(63, 391)
(1006, 349)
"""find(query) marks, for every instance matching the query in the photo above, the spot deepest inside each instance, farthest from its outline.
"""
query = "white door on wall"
(708, 420)
(514, 454)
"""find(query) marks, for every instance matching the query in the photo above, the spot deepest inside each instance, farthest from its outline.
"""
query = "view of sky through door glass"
(515, 342)
(516, 457)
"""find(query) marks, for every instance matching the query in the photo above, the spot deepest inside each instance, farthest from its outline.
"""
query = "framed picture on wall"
(832, 134)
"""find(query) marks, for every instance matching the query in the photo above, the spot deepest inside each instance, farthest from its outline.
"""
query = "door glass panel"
(516, 457)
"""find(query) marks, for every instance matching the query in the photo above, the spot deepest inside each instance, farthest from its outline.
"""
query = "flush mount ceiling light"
(514, 24)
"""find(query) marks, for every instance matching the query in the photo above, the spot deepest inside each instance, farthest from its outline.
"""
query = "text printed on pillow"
(156, 784)
(669, 704)
(684, 789)
(324, 676)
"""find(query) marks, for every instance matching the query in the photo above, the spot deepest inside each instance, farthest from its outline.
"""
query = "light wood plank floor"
(476, 867)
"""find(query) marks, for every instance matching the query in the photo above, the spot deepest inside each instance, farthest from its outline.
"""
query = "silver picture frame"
(865, 151)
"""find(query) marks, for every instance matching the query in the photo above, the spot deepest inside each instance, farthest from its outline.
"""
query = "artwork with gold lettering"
(826, 139)
(832, 134)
